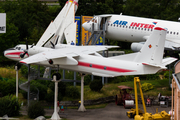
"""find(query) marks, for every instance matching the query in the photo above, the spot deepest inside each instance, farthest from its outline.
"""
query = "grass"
(111, 89)
(8, 72)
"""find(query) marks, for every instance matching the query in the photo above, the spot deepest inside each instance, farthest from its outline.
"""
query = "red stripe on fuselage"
(103, 67)
(14, 53)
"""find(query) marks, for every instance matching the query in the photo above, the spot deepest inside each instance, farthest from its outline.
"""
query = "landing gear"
(18, 66)
(58, 76)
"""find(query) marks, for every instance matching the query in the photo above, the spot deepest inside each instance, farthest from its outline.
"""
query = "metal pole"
(82, 108)
(103, 43)
(74, 79)
(16, 68)
(28, 95)
(92, 77)
(55, 115)
(136, 96)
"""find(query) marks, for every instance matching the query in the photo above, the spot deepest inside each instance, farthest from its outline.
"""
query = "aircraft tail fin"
(152, 51)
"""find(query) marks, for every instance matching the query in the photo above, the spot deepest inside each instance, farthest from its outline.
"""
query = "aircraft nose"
(86, 26)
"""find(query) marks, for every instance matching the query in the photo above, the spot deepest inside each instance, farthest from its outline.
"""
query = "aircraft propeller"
(25, 51)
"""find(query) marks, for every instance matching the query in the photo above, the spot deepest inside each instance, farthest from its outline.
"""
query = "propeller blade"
(22, 55)
(26, 44)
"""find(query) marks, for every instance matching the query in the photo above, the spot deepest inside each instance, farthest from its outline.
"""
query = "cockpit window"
(19, 48)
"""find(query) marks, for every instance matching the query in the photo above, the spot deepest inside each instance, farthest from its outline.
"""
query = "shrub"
(72, 92)
(42, 89)
(96, 85)
(24, 71)
(9, 105)
(87, 79)
(35, 109)
(7, 87)
(146, 86)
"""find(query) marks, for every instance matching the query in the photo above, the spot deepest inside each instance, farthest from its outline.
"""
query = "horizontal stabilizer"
(167, 61)
(153, 65)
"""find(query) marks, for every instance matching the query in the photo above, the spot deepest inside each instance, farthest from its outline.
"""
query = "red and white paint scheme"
(14, 53)
(85, 59)
(135, 29)
(62, 27)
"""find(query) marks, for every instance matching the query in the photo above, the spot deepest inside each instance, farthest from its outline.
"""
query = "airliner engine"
(136, 47)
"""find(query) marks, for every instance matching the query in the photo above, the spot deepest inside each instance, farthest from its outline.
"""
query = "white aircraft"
(62, 27)
(135, 29)
(85, 59)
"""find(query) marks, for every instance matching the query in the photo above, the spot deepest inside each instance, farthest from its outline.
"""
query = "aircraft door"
(96, 21)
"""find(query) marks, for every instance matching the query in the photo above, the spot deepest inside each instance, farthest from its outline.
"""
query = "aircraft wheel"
(58, 76)
(18, 65)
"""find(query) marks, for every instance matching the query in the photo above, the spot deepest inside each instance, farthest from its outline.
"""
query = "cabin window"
(135, 27)
(108, 24)
(139, 28)
(111, 24)
(151, 29)
(117, 25)
(123, 26)
(129, 27)
(114, 25)
(167, 32)
(90, 65)
(126, 26)
(105, 68)
(174, 33)
(148, 29)
(177, 33)
(132, 27)
(170, 32)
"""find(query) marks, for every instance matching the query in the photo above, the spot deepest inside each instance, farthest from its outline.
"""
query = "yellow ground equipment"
(138, 114)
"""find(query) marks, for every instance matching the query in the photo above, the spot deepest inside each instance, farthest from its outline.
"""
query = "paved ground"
(110, 112)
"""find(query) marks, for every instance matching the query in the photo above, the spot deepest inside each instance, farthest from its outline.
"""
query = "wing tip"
(23, 62)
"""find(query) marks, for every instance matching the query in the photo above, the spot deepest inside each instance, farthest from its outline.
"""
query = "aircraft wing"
(64, 56)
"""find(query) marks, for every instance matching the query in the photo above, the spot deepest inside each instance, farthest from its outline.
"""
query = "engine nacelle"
(136, 47)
